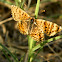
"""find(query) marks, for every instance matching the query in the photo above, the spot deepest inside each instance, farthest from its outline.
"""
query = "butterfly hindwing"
(23, 27)
(36, 33)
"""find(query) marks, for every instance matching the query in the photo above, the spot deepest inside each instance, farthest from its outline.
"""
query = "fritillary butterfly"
(36, 28)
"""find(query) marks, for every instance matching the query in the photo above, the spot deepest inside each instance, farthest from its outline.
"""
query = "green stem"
(37, 8)
(46, 41)
(16, 1)
(30, 40)
(30, 43)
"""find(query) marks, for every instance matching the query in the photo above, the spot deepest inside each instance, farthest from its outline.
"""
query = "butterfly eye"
(32, 20)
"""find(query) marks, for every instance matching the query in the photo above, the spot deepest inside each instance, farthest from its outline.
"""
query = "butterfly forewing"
(18, 14)
(51, 28)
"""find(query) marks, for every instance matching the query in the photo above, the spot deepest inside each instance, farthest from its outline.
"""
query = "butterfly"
(36, 28)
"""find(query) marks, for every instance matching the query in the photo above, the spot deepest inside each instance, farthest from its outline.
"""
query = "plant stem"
(30, 43)
(46, 41)
(37, 8)
(30, 40)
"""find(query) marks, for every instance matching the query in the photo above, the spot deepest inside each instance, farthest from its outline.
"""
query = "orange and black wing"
(36, 33)
(18, 14)
(51, 28)
(23, 27)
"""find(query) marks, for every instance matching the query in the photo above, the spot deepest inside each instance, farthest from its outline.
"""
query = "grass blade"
(15, 58)
(37, 8)
(46, 41)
